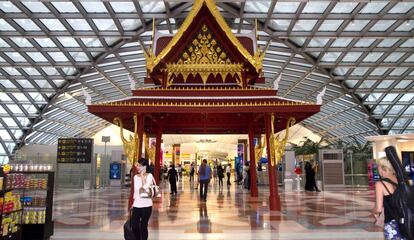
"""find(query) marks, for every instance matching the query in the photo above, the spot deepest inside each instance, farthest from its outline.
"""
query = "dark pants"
(203, 189)
(173, 185)
(228, 179)
(220, 181)
(139, 222)
(191, 177)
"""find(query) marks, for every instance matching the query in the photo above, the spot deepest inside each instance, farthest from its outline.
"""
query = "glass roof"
(49, 50)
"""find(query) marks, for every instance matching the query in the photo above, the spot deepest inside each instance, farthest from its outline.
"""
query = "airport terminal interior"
(286, 106)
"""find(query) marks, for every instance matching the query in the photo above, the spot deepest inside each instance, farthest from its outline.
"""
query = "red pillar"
(141, 119)
(274, 199)
(158, 155)
(253, 185)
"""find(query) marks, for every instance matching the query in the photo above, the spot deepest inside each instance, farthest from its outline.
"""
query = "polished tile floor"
(228, 214)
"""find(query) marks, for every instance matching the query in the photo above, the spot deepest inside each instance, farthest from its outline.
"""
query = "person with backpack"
(384, 190)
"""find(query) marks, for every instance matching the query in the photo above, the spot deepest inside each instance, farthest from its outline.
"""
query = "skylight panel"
(53, 24)
(123, 7)
(15, 56)
(365, 42)
(330, 56)
(351, 56)
(36, 6)
(68, 41)
(344, 7)
(130, 24)
(257, 6)
(374, 97)
(25, 83)
(8, 7)
(318, 42)
(7, 84)
(4, 26)
(409, 43)
(373, 57)
(20, 97)
(315, 6)
(367, 83)
(398, 71)
(65, 7)
(21, 42)
(45, 42)
(37, 56)
(406, 26)
(388, 42)
(58, 56)
(280, 24)
(152, 6)
(382, 25)
(341, 42)
(400, 123)
(356, 25)
(403, 84)
(31, 71)
(359, 71)
(12, 71)
(330, 25)
(79, 24)
(410, 58)
(27, 24)
(394, 57)
(94, 6)
(374, 7)
(402, 7)
(105, 24)
(380, 109)
(304, 25)
(79, 56)
(385, 84)
(286, 7)
(91, 42)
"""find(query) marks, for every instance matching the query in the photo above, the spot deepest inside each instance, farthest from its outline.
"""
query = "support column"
(253, 185)
(274, 198)
(158, 155)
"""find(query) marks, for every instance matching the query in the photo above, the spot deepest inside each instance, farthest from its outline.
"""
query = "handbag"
(128, 232)
(152, 191)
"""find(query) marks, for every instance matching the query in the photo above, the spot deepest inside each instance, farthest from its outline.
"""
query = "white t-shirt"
(228, 169)
(138, 201)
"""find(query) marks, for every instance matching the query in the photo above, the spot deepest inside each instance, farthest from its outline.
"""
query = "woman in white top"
(142, 207)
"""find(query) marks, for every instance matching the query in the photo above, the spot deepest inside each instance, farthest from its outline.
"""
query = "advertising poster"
(115, 171)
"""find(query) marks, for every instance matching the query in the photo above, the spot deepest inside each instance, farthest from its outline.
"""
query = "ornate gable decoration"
(204, 60)
(204, 57)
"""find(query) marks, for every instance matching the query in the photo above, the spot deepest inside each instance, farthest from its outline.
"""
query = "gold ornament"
(131, 145)
(278, 146)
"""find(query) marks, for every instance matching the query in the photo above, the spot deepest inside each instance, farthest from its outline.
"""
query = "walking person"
(173, 178)
(215, 173)
(142, 206)
(192, 171)
(204, 176)
(220, 175)
(228, 172)
(384, 189)
(310, 184)
(180, 172)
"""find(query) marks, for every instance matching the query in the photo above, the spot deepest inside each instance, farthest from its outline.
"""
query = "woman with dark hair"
(173, 178)
(220, 175)
(310, 184)
(142, 206)
(204, 176)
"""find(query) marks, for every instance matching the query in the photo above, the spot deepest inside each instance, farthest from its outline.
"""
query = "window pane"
(398, 71)
(394, 57)
(304, 25)
(388, 42)
(45, 42)
(31, 71)
(21, 42)
(12, 71)
(91, 42)
(105, 24)
(315, 7)
(379, 71)
(330, 56)
(94, 7)
(286, 7)
(123, 7)
(53, 24)
(330, 25)
(68, 42)
(382, 25)
(15, 56)
(58, 56)
(79, 56)
(344, 7)
(79, 24)
(405, 26)
(367, 83)
(256, 6)
(341, 42)
(395, 109)
(407, 97)
(373, 57)
(403, 84)
(27, 24)
(130, 24)
(4, 26)
(36, 7)
(8, 7)
(318, 42)
(364, 42)
(408, 43)
(385, 83)
(281, 24)
(65, 7)
(152, 6)
(352, 56)
(402, 7)
(374, 7)
(356, 25)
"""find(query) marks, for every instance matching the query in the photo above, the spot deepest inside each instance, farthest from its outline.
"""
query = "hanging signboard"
(74, 150)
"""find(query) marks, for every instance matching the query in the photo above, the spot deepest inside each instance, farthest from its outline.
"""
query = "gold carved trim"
(255, 61)
(203, 104)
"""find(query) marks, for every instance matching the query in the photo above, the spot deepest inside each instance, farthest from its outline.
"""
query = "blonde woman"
(384, 189)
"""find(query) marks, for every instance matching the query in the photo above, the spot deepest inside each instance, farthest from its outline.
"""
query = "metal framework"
(361, 50)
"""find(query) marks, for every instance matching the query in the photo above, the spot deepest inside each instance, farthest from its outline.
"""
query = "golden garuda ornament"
(131, 145)
(278, 146)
